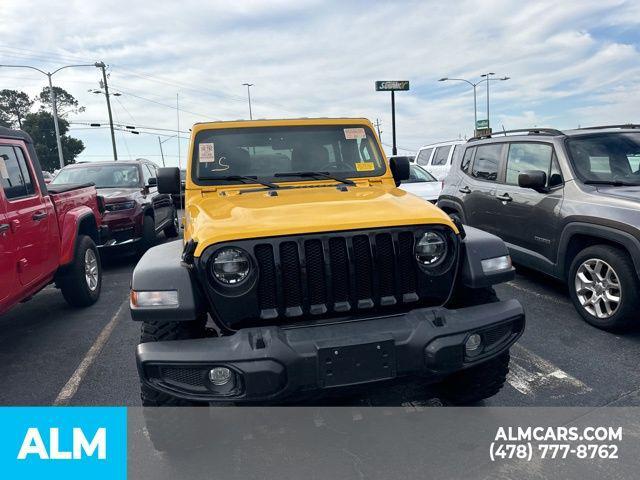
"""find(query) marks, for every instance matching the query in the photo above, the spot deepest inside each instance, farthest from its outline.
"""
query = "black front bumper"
(270, 364)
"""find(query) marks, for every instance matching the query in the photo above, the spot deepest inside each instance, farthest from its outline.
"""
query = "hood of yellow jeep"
(226, 215)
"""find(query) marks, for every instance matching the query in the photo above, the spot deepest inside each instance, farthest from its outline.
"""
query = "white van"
(436, 158)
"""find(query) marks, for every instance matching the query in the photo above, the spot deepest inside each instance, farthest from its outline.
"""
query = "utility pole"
(52, 98)
(102, 66)
(249, 85)
(178, 131)
(393, 120)
(487, 77)
(378, 129)
(161, 152)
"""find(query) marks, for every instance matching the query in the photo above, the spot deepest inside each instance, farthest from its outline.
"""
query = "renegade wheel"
(476, 383)
(604, 287)
(170, 429)
(148, 239)
(172, 230)
(80, 282)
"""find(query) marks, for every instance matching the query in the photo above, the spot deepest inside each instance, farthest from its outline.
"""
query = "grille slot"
(363, 271)
(291, 278)
(316, 276)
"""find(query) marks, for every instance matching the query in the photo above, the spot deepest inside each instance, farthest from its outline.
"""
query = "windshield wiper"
(326, 175)
(615, 183)
(248, 179)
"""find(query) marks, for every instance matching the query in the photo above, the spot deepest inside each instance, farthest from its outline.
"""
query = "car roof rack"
(604, 127)
(528, 131)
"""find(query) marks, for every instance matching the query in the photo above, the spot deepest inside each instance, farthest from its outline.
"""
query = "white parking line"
(530, 374)
(71, 387)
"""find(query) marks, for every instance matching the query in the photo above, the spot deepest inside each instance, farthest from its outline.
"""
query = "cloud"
(568, 65)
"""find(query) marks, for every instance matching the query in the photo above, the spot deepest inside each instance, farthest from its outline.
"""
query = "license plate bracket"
(353, 364)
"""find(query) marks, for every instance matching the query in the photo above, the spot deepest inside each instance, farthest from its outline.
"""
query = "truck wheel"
(148, 239)
(172, 230)
(604, 287)
(170, 430)
(81, 281)
(476, 383)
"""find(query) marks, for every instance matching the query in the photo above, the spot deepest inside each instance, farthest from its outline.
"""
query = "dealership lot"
(53, 354)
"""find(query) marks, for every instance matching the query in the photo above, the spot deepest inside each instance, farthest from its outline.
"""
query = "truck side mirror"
(168, 180)
(400, 169)
(534, 179)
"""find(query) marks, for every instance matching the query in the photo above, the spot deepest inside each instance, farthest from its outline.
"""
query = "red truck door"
(7, 255)
(28, 214)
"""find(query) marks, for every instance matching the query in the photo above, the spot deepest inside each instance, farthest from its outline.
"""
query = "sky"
(568, 63)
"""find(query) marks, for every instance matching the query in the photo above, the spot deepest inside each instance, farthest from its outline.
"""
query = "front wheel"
(148, 239)
(81, 281)
(604, 287)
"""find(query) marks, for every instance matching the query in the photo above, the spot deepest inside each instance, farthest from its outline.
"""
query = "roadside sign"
(483, 132)
(391, 85)
(482, 124)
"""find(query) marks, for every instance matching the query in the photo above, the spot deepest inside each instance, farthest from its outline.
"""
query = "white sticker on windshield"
(206, 153)
(354, 133)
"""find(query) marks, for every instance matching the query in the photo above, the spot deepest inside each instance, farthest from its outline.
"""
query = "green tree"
(42, 130)
(65, 102)
(14, 107)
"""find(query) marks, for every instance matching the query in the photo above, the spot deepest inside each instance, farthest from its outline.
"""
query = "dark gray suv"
(566, 203)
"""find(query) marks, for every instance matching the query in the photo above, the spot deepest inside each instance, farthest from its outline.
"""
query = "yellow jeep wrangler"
(306, 271)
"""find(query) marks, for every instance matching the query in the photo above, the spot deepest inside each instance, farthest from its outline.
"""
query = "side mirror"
(168, 180)
(400, 169)
(534, 179)
(153, 181)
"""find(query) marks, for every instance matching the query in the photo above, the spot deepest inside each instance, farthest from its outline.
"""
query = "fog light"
(220, 376)
(472, 345)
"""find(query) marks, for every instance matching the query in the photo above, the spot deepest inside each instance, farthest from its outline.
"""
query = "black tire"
(148, 239)
(170, 430)
(625, 315)
(173, 229)
(74, 282)
(476, 383)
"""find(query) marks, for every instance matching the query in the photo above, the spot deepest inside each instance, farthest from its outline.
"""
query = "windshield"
(103, 176)
(606, 157)
(269, 152)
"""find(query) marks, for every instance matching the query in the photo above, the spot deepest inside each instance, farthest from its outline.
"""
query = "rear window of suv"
(441, 156)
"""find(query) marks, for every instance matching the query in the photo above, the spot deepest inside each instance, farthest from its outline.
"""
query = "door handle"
(464, 189)
(4, 227)
(504, 198)
(39, 216)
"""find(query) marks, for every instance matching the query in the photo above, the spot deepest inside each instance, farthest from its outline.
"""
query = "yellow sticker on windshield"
(365, 166)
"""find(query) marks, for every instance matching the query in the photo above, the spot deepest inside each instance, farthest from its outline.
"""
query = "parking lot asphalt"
(53, 354)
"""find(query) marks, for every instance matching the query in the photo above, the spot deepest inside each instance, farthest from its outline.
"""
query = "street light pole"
(486, 78)
(52, 98)
(249, 85)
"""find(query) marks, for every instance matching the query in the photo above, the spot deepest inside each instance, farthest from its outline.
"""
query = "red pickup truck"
(46, 234)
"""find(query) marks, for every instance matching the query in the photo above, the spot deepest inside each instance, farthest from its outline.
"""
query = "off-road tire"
(72, 280)
(170, 430)
(477, 383)
(626, 314)
(173, 229)
(148, 239)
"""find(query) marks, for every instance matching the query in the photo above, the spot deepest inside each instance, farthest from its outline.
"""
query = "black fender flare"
(161, 269)
(479, 245)
(611, 234)
(445, 203)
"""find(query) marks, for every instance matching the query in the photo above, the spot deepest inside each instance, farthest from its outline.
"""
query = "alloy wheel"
(598, 288)
(91, 269)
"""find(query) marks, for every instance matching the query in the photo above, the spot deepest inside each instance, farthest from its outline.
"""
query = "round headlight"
(431, 250)
(230, 266)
